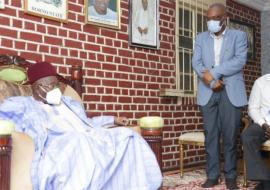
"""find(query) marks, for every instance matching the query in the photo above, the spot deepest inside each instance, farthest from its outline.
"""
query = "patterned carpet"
(192, 181)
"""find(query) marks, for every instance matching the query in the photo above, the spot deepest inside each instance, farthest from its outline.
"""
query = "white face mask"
(214, 26)
(54, 96)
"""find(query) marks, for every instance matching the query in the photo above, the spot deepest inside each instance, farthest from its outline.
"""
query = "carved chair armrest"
(246, 122)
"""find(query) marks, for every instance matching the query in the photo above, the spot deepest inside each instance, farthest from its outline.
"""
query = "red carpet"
(192, 181)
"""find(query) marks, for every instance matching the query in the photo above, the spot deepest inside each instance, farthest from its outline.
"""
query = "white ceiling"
(261, 5)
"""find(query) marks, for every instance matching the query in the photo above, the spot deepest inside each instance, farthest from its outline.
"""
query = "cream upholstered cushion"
(266, 143)
(192, 136)
(21, 159)
(8, 89)
(151, 122)
(6, 127)
(69, 91)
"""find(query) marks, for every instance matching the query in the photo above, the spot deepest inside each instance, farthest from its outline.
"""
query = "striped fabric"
(87, 158)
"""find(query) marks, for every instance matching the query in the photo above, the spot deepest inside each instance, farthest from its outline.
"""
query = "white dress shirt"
(259, 101)
(217, 47)
(217, 50)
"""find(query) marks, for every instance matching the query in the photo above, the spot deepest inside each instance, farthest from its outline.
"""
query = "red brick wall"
(118, 79)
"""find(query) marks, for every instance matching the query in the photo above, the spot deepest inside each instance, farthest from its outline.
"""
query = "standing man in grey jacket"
(219, 57)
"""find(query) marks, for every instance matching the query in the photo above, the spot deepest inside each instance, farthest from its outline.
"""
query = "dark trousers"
(221, 118)
(252, 139)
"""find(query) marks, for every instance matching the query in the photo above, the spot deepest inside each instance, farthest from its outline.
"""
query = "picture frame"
(250, 31)
(51, 9)
(104, 13)
(144, 23)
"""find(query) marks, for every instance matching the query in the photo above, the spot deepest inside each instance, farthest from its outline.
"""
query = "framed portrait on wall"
(103, 13)
(250, 31)
(144, 23)
(51, 9)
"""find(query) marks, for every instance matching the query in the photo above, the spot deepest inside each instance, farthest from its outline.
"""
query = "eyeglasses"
(49, 86)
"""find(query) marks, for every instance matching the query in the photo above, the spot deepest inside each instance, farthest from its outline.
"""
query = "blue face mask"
(214, 26)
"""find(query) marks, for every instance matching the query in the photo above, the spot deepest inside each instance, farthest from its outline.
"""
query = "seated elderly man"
(258, 132)
(73, 152)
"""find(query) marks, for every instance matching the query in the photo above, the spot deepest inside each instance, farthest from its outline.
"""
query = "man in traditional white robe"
(73, 152)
